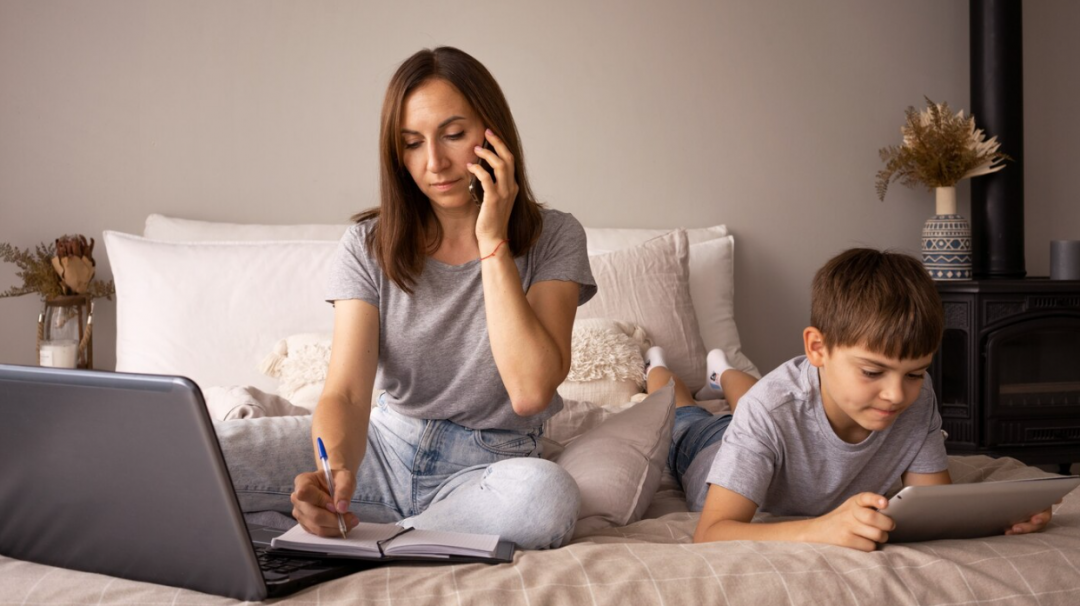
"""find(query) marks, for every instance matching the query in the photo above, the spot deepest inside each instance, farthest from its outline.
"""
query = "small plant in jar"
(62, 273)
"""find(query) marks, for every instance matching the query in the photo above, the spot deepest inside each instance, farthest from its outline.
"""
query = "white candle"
(59, 354)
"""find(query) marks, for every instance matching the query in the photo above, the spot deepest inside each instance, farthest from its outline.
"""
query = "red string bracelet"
(494, 251)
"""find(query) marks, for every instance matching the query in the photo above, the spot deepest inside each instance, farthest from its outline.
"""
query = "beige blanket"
(245, 402)
(654, 562)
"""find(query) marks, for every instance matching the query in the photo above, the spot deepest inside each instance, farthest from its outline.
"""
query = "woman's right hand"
(341, 420)
(313, 506)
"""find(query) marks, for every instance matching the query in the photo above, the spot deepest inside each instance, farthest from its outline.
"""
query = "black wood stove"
(1007, 376)
(1008, 372)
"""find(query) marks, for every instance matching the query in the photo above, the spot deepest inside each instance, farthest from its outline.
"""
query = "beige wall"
(764, 115)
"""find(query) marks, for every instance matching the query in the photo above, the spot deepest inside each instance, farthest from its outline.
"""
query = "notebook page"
(435, 542)
(362, 540)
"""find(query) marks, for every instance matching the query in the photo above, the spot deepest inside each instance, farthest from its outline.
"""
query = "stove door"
(1032, 382)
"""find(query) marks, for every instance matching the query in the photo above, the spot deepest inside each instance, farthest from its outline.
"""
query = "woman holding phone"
(461, 311)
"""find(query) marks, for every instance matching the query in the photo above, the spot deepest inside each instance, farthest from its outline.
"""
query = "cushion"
(240, 402)
(712, 289)
(575, 418)
(160, 227)
(606, 362)
(618, 465)
(300, 363)
(212, 310)
(712, 281)
(606, 239)
(648, 286)
(711, 267)
(604, 375)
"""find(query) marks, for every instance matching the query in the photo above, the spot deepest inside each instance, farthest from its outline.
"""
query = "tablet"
(967, 511)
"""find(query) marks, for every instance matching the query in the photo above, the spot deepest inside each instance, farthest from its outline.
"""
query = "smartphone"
(476, 188)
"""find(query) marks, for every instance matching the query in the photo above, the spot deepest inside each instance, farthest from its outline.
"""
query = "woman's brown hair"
(406, 230)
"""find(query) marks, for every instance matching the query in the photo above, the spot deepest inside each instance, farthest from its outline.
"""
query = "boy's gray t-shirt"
(435, 359)
(781, 453)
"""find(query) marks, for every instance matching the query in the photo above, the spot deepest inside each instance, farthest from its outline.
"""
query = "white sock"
(715, 363)
(654, 358)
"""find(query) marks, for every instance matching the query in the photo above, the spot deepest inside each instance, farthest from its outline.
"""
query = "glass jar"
(64, 332)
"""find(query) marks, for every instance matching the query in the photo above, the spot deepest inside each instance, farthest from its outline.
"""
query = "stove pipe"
(997, 102)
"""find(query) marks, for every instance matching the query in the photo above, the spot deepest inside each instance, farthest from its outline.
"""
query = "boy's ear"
(814, 344)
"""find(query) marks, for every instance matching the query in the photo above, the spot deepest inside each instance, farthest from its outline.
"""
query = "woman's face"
(440, 130)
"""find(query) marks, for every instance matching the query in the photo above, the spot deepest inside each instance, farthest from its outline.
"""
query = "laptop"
(967, 511)
(122, 474)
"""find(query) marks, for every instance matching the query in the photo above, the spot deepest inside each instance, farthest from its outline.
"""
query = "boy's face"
(863, 391)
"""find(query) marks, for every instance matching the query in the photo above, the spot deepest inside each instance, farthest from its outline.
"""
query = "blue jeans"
(695, 430)
(431, 474)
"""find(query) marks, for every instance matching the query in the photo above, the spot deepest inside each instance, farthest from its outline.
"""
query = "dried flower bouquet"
(939, 150)
(63, 268)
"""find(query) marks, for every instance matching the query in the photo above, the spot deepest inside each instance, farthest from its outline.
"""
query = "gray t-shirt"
(781, 453)
(435, 359)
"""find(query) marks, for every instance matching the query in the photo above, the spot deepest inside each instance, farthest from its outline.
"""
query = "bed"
(193, 299)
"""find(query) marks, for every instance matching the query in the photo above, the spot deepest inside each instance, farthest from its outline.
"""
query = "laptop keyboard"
(275, 564)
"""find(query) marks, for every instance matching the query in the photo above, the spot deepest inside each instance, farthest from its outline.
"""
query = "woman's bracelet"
(494, 251)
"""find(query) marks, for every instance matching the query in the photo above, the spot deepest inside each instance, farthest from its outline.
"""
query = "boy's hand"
(1036, 524)
(857, 523)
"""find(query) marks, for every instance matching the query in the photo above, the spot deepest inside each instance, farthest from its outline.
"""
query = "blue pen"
(330, 483)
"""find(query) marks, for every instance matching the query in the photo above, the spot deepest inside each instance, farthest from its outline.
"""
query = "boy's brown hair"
(883, 301)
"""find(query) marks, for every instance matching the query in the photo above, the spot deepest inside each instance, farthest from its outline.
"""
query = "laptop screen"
(122, 475)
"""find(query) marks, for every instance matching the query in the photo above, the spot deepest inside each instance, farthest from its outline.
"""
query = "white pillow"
(711, 267)
(160, 227)
(212, 310)
(712, 288)
(619, 464)
(606, 239)
(648, 286)
(712, 281)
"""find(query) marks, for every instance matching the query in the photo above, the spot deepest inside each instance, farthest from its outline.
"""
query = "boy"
(826, 434)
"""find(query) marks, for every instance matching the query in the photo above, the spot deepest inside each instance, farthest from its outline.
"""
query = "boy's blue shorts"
(695, 428)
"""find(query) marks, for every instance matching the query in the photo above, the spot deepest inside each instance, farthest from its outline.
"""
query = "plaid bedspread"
(654, 562)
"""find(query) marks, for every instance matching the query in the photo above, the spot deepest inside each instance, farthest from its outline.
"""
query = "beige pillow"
(619, 464)
(712, 281)
(575, 418)
(648, 286)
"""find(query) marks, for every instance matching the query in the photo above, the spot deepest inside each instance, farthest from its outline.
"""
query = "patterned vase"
(946, 240)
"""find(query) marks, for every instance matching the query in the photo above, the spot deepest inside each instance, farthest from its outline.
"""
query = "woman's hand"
(499, 193)
(313, 507)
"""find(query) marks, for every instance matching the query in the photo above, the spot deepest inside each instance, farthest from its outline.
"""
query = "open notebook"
(391, 542)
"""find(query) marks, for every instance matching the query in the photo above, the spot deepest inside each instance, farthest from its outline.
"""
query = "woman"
(463, 310)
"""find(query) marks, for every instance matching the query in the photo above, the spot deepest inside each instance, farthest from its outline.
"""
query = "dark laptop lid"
(119, 474)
